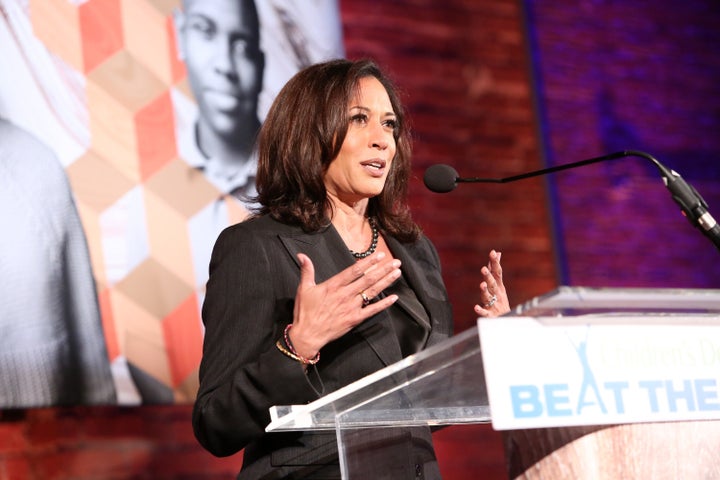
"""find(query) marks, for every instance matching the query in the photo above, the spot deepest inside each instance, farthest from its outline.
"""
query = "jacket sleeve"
(249, 300)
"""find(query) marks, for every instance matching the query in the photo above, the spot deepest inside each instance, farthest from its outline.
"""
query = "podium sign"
(599, 370)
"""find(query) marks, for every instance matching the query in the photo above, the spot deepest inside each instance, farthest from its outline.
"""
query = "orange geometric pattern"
(156, 136)
(65, 27)
(132, 191)
(99, 21)
(181, 330)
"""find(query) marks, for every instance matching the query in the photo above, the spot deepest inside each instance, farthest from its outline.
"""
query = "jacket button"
(418, 470)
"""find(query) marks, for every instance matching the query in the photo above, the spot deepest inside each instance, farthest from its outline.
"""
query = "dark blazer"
(254, 274)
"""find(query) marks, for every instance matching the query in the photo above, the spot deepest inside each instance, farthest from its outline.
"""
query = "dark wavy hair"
(302, 134)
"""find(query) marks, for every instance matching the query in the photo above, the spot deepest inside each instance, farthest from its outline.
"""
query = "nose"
(379, 137)
(224, 61)
(380, 145)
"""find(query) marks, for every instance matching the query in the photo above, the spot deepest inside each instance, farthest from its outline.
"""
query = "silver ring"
(365, 299)
(492, 301)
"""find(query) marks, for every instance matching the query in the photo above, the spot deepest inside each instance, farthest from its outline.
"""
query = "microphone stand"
(692, 205)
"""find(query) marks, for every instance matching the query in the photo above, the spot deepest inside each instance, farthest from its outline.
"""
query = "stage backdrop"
(103, 85)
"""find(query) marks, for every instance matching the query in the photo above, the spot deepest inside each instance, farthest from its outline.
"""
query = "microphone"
(441, 178)
(444, 178)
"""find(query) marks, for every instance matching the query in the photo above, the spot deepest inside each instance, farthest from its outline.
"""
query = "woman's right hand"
(326, 311)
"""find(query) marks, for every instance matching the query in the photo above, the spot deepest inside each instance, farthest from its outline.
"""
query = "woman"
(332, 266)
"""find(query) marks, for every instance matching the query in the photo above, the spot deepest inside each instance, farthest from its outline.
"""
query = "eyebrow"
(366, 109)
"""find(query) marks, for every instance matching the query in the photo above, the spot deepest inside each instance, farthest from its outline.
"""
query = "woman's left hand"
(493, 297)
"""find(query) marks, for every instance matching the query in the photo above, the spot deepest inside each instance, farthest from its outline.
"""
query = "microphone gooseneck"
(444, 178)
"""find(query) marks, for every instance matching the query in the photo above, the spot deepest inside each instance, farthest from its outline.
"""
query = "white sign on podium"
(630, 365)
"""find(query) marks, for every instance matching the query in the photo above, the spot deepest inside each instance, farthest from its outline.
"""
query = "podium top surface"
(572, 301)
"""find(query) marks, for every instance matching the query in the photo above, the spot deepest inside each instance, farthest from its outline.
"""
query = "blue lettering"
(526, 401)
(617, 388)
(683, 393)
(588, 385)
(652, 386)
(706, 392)
(554, 400)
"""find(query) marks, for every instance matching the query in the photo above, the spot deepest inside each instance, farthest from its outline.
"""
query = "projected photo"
(126, 146)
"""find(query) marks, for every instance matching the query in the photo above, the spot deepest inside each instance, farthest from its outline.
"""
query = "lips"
(375, 166)
(223, 101)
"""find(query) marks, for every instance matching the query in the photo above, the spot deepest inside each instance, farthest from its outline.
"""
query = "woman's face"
(362, 165)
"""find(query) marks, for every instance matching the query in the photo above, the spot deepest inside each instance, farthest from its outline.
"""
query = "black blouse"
(409, 318)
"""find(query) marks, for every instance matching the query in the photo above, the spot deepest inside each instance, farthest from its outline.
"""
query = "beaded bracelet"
(290, 350)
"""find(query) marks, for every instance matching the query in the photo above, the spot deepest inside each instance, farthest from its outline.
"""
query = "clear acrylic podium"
(445, 384)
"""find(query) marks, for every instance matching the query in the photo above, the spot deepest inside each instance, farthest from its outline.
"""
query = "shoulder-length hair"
(303, 133)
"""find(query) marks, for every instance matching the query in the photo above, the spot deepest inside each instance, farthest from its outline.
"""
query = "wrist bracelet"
(290, 350)
(298, 358)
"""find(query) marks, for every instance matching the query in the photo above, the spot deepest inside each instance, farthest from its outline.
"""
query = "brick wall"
(464, 68)
(113, 443)
(105, 443)
(463, 65)
(638, 75)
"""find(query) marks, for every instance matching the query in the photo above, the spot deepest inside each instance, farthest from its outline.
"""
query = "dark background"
(494, 88)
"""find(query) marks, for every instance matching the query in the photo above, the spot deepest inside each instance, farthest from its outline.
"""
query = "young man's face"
(219, 40)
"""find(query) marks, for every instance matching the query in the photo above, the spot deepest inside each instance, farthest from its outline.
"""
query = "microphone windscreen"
(441, 178)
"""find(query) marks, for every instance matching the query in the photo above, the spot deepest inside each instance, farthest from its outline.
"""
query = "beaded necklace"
(373, 243)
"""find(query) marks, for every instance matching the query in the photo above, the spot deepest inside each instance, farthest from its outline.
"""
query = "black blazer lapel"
(414, 260)
(330, 255)
(326, 250)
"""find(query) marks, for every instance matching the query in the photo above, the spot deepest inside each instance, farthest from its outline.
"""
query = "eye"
(239, 47)
(202, 26)
(359, 118)
(243, 47)
(390, 124)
